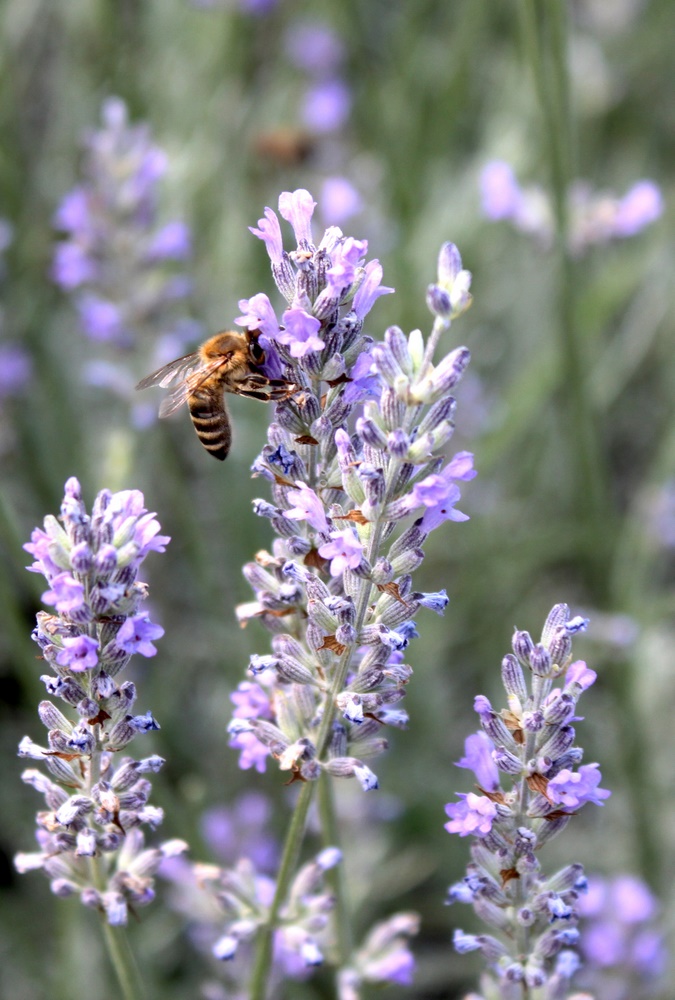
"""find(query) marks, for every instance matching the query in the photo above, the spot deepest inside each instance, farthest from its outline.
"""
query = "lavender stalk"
(90, 840)
(531, 746)
(336, 590)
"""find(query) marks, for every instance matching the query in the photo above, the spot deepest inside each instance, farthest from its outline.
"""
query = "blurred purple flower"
(116, 254)
(314, 47)
(501, 195)
(326, 106)
(16, 369)
(639, 207)
(339, 200)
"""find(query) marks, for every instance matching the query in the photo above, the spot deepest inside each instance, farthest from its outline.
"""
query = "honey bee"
(227, 362)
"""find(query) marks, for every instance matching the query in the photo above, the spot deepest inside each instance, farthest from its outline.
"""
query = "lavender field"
(365, 688)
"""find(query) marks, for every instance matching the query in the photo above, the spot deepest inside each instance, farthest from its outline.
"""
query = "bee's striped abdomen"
(212, 423)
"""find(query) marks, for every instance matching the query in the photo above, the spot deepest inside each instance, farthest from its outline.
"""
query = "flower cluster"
(336, 590)
(624, 950)
(384, 957)
(595, 217)
(530, 745)
(89, 836)
(116, 257)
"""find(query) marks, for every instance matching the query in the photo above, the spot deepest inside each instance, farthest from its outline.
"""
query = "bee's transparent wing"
(178, 369)
(182, 373)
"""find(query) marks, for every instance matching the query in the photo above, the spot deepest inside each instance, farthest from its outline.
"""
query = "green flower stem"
(289, 863)
(544, 29)
(123, 961)
(330, 831)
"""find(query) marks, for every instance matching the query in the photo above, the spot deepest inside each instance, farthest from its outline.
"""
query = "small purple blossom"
(300, 333)
(66, 594)
(370, 289)
(79, 653)
(136, 635)
(307, 507)
(474, 814)
(258, 314)
(269, 231)
(573, 789)
(344, 551)
(343, 270)
(478, 758)
(580, 675)
(297, 207)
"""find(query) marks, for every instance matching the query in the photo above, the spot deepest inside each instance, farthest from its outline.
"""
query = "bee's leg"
(255, 394)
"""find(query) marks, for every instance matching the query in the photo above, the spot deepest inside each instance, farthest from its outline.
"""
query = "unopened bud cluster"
(530, 783)
(358, 479)
(245, 896)
(96, 799)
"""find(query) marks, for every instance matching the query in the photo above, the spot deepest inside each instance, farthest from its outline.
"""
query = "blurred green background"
(575, 495)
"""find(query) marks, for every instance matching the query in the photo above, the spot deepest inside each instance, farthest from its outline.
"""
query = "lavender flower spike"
(90, 842)
(335, 498)
(529, 747)
(359, 480)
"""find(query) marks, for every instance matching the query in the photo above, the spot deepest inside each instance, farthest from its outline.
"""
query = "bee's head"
(256, 353)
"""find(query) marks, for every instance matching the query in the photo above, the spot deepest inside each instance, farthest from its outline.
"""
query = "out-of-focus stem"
(544, 28)
(330, 832)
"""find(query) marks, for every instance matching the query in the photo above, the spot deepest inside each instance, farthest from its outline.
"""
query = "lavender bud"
(52, 718)
(81, 558)
(513, 678)
(560, 741)
(319, 613)
(293, 672)
(289, 419)
(440, 413)
(371, 434)
(507, 761)
(346, 635)
(533, 722)
(560, 647)
(407, 562)
(560, 710)
(522, 645)
(557, 618)
(540, 661)
(392, 409)
(386, 363)
(396, 341)
(438, 302)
